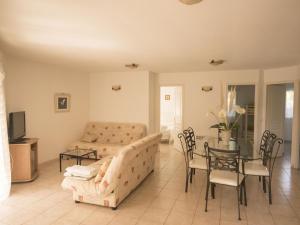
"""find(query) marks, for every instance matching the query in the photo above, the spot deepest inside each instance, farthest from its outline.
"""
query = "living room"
(115, 81)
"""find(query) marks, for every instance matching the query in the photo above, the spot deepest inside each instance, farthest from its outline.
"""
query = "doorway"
(279, 116)
(244, 96)
(170, 114)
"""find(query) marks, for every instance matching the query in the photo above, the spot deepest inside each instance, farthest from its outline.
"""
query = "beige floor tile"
(98, 217)
(163, 203)
(187, 207)
(257, 218)
(19, 217)
(79, 213)
(64, 221)
(204, 218)
(124, 220)
(282, 210)
(179, 218)
(155, 215)
(283, 220)
(148, 222)
(159, 200)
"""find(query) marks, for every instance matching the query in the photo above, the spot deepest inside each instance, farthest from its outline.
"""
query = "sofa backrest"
(130, 166)
(116, 133)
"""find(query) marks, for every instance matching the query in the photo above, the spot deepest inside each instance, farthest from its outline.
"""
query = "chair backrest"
(264, 141)
(272, 153)
(193, 136)
(268, 151)
(220, 159)
(186, 145)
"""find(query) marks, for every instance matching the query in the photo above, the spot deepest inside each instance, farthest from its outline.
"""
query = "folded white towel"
(82, 171)
(67, 174)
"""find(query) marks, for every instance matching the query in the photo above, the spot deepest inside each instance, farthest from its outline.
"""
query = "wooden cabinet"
(24, 160)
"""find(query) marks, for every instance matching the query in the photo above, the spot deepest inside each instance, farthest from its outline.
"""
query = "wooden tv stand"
(24, 160)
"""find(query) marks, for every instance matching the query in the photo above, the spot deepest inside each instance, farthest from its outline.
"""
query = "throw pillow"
(89, 138)
(102, 171)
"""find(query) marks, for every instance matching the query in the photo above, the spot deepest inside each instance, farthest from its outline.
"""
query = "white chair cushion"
(198, 163)
(255, 168)
(225, 177)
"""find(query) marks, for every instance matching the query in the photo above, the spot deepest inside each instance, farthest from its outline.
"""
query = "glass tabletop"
(78, 152)
(246, 150)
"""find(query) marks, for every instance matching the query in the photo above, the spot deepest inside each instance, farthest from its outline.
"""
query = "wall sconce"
(207, 88)
(116, 87)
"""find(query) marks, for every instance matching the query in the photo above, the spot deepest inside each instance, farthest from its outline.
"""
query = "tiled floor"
(159, 200)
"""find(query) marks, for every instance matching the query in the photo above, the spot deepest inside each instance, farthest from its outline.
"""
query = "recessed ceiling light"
(132, 65)
(216, 62)
(190, 2)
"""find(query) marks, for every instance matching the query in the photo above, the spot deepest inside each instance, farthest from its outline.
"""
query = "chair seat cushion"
(225, 177)
(198, 163)
(255, 168)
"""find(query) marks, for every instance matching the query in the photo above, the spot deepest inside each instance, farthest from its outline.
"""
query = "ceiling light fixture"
(218, 62)
(190, 2)
(132, 66)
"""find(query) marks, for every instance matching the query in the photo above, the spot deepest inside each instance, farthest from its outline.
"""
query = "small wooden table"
(79, 155)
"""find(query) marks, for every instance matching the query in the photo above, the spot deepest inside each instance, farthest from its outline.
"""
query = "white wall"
(286, 75)
(197, 103)
(152, 106)
(31, 87)
(130, 104)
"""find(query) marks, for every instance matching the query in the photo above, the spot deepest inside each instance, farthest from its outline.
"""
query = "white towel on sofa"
(82, 171)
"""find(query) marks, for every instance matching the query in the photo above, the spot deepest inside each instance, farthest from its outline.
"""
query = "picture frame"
(167, 97)
(62, 102)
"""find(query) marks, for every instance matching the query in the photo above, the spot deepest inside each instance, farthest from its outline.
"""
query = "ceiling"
(160, 35)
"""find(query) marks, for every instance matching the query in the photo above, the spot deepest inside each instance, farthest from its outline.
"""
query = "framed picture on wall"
(62, 102)
(167, 97)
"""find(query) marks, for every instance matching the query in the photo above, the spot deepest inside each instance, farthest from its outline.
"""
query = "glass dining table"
(246, 149)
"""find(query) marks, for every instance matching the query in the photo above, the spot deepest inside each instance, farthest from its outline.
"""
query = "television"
(16, 126)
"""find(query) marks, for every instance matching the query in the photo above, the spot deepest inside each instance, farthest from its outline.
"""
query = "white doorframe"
(295, 123)
(182, 101)
(256, 105)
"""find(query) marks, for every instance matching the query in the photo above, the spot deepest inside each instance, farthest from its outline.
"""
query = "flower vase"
(225, 136)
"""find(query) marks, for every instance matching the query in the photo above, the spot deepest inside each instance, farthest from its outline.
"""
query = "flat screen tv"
(16, 126)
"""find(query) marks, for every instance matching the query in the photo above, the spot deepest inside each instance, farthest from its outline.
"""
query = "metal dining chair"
(263, 167)
(190, 131)
(191, 163)
(223, 169)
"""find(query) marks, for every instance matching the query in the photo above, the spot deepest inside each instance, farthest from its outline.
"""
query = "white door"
(171, 113)
(275, 115)
(177, 116)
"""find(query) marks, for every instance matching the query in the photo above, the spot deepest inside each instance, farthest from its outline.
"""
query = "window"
(289, 103)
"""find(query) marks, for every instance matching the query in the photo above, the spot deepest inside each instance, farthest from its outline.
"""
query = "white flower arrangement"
(227, 119)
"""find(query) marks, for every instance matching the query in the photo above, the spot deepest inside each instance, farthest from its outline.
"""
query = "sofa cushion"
(116, 133)
(102, 171)
(89, 138)
(102, 149)
(120, 168)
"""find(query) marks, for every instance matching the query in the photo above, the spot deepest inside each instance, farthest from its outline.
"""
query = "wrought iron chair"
(191, 163)
(223, 168)
(193, 137)
(263, 167)
(190, 131)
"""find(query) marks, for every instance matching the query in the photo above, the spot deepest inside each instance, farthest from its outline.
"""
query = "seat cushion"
(225, 177)
(102, 149)
(198, 163)
(256, 169)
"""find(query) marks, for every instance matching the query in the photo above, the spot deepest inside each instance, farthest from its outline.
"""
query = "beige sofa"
(126, 171)
(110, 136)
